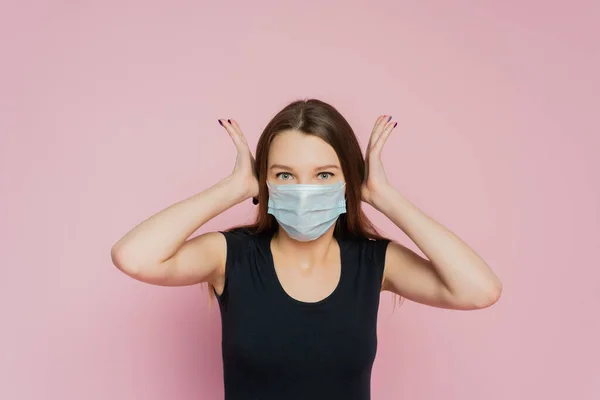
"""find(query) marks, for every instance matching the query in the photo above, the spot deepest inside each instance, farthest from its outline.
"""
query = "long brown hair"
(317, 118)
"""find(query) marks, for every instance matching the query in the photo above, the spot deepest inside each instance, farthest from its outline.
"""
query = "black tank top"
(277, 347)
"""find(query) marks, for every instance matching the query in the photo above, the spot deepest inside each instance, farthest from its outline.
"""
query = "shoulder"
(240, 235)
(370, 251)
(239, 243)
(241, 240)
(370, 248)
(368, 255)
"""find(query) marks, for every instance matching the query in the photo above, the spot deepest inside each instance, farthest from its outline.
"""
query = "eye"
(284, 176)
(325, 175)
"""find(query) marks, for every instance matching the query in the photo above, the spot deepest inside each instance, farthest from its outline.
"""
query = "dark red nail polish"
(220, 123)
(254, 201)
(395, 124)
(229, 120)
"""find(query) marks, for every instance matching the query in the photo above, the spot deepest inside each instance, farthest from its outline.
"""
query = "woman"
(299, 289)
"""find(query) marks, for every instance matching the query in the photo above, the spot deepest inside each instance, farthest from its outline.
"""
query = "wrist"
(237, 189)
(381, 198)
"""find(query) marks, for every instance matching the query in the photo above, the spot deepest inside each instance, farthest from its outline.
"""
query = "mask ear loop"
(255, 199)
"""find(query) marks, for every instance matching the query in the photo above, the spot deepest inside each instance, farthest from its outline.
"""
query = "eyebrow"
(281, 166)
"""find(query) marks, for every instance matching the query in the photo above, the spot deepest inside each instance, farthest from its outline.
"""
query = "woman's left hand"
(375, 180)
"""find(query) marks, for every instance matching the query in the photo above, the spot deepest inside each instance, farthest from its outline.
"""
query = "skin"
(308, 271)
(452, 275)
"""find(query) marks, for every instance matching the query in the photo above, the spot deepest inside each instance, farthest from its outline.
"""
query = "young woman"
(299, 289)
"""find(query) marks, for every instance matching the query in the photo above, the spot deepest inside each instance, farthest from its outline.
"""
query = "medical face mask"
(306, 211)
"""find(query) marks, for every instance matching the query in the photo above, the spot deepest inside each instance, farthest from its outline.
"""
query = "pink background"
(109, 114)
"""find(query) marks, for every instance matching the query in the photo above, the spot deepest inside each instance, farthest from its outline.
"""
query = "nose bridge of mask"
(306, 197)
(305, 188)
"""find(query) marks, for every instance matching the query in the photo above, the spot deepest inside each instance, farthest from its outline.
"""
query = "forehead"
(296, 148)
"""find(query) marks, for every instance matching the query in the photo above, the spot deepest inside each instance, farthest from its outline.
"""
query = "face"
(295, 157)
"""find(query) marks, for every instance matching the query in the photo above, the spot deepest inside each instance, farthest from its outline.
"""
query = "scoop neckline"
(293, 300)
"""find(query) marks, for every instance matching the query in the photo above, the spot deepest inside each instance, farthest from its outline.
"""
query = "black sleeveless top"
(277, 347)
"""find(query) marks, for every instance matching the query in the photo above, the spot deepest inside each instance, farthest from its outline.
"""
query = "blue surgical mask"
(306, 211)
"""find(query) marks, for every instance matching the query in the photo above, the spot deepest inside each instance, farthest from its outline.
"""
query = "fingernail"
(254, 201)
(395, 124)
(229, 120)
(220, 122)
(390, 118)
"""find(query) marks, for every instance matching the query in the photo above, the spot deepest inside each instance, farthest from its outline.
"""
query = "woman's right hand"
(244, 171)
(159, 250)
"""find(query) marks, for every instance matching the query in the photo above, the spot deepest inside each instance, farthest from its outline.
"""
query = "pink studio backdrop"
(109, 114)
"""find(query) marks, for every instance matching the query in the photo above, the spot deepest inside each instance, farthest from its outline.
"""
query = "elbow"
(138, 269)
(478, 299)
(116, 256)
(489, 296)
(123, 263)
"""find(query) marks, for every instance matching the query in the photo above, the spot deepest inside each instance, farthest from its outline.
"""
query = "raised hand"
(375, 179)
(244, 172)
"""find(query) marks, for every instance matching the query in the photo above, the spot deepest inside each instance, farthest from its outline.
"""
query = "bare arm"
(158, 251)
(453, 275)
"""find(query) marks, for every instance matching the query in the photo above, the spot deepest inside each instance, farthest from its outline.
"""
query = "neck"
(306, 254)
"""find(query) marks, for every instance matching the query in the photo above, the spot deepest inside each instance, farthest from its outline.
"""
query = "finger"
(237, 140)
(376, 126)
(377, 122)
(238, 130)
(380, 124)
(233, 127)
(378, 145)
